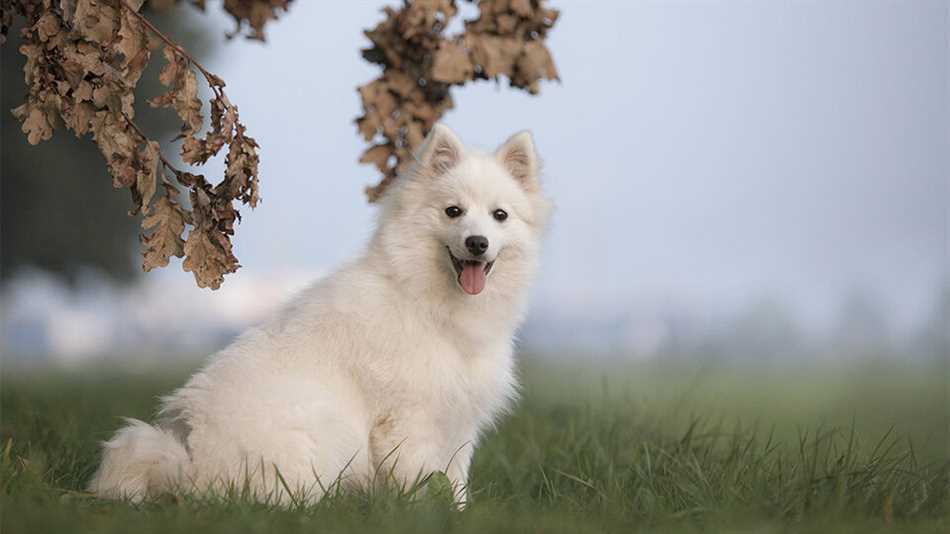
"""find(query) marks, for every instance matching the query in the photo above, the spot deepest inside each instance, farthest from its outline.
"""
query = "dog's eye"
(500, 215)
(453, 211)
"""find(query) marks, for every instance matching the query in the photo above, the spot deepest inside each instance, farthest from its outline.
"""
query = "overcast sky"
(699, 153)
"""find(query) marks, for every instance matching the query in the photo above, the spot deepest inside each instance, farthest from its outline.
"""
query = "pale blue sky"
(700, 153)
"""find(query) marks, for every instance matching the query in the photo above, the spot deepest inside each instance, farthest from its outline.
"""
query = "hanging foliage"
(84, 59)
(421, 64)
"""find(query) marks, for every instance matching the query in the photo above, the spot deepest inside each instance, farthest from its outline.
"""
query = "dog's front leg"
(404, 451)
(407, 450)
(457, 470)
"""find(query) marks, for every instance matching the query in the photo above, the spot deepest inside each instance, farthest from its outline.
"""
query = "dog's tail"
(140, 460)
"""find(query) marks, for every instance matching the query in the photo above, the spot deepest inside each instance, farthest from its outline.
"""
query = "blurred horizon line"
(44, 319)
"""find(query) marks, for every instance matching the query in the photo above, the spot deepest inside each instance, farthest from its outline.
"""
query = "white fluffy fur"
(385, 367)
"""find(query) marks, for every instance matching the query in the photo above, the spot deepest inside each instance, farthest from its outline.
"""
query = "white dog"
(393, 365)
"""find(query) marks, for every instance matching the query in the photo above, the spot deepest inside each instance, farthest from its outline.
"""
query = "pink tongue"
(473, 278)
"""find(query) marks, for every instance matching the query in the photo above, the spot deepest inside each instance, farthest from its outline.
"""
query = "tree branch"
(214, 81)
(165, 163)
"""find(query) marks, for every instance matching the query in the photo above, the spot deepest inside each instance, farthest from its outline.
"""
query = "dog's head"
(466, 219)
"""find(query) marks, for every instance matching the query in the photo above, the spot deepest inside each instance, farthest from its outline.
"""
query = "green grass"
(635, 447)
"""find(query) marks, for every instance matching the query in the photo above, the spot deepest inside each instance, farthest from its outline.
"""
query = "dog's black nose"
(476, 244)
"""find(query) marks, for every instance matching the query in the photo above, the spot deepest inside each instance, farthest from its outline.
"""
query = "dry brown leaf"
(254, 13)
(378, 155)
(522, 8)
(164, 225)
(36, 123)
(117, 144)
(241, 168)
(133, 44)
(78, 120)
(147, 175)
(183, 91)
(452, 63)
(96, 20)
(47, 27)
(206, 260)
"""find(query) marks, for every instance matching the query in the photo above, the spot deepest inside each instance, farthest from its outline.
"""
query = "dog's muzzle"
(471, 275)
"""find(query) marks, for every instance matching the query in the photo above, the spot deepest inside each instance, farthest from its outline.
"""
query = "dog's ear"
(518, 157)
(440, 151)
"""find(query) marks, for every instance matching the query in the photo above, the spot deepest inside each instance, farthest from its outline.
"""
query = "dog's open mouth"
(471, 274)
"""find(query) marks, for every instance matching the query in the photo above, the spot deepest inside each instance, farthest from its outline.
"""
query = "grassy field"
(629, 448)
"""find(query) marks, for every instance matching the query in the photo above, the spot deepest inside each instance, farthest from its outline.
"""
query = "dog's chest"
(449, 380)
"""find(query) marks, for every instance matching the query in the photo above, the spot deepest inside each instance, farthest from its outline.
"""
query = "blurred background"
(738, 183)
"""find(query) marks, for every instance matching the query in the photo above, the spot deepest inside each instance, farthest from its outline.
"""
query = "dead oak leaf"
(79, 117)
(147, 176)
(165, 224)
(117, 144)
(378, 155)
(452, 64)
(205, 257)
(183, 91)
(95, 20)
(37, 124)
(133, 45)
(242, 168)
